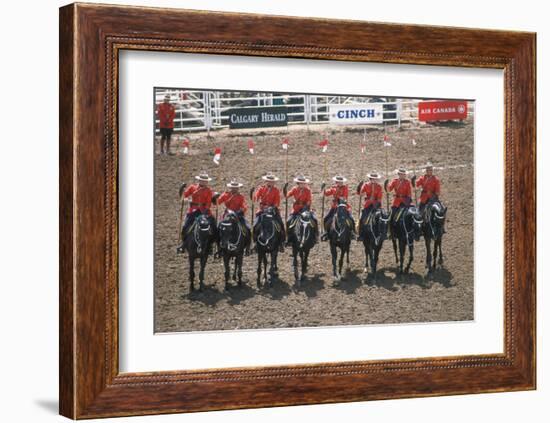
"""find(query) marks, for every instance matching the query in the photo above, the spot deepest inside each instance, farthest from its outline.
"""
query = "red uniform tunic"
(233, 201)
(373, 193)
(166, 113)
(302, 198)
(267, 196)
(337, 192)
(430, 185)
(402, 189)
(201, 198)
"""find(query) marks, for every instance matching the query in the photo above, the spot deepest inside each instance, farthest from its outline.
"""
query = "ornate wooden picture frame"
(91, 37)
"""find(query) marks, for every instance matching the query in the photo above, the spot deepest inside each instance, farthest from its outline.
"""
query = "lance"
(251, 193)
(182, 189)
(414, 180)
(182, 201)
(286, 184)
(386, 146)
(360, 185)
(325, 175)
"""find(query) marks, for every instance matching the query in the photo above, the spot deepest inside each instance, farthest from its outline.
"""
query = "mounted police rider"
(402, 189)
(373, 198)
(339, 191)
(234, 201)
(431, 188)
(302, 201)
(200, 196)
(268, 195)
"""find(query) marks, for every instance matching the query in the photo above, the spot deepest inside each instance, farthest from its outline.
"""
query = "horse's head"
(438, 212)
(436, 216)
(342, 208)
(415, 222)
(381, 221)
(269, 228)
(204, 231)
(269, 213)
(228, 231)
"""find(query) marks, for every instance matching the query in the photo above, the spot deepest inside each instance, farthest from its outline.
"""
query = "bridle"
(230, 221)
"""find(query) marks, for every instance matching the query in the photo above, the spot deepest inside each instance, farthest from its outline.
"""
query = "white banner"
(345, 114)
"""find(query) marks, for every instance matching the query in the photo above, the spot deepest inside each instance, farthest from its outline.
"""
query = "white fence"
(207, 110)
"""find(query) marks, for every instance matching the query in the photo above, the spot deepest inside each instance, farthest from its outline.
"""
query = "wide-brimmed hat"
(374, 175)
(234, 184)
(402, 171)
(301, 179)
(270, 177)
(428, 165)
(167, 96)
(339, 178)
(203, 177)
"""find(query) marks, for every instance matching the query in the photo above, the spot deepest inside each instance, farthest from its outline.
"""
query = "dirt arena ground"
(447, 295)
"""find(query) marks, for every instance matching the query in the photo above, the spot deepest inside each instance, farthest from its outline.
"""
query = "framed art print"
(260, 211)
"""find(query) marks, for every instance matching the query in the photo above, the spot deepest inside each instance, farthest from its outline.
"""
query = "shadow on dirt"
(278, 290)
(311, 285)
(442, 276)
(238, 294)
(351, 282)
(209, 296)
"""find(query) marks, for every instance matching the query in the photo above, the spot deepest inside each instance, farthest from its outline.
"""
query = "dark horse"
(234, 239)
(407, 228)
(268, 235)
(374, 231)
(339, 235)
(197, 241)
(433, 229)
(302, 234)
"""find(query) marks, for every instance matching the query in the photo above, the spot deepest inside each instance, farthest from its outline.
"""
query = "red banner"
(442, 110)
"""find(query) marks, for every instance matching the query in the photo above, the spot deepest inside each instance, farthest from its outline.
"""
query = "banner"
(257, 117)
(345, 114)
(442, 110)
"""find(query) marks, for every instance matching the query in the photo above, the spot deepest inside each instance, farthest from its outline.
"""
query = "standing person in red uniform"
(200, 196)
(268, 195)
(339, 191)
(431, 187)
(166, 113)
(234, 201)
(302, 201)
(373, 197)
(402, 189)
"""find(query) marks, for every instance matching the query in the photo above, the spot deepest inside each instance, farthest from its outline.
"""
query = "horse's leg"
(191, 273)
(435, 253)
(273, 266)
(259, 270)
(376, 255)
(440, 241)
(401, 255)
(305, 262)
(366, 268)
(265, 268)
(226, 268)
(347, 259)
(341, 263)
(394, 242)
(428, 243)
(303, 259)
(372, 254)
(295, 263)
(411, 250)
(203, 260)
(334, 255)
(239, 267)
